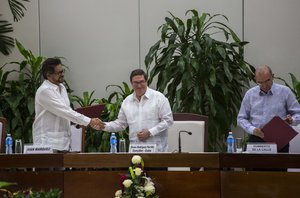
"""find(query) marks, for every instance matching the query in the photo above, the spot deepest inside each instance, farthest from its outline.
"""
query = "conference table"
(179, 175)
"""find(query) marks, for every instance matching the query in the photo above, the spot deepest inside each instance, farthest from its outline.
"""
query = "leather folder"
(278, 131)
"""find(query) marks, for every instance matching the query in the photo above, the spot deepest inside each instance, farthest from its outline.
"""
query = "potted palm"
(199, 73)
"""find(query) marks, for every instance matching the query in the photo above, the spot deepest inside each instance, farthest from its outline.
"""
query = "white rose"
(138, 171)
(127, 183)
(118, 193)
(136, 159)
(149, 188)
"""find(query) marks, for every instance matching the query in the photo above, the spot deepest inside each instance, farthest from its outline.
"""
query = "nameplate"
(37, 149)
(142, 148)
(261, 148)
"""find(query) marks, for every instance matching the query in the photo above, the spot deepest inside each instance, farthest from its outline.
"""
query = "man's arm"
(244, 116)
(52, 103)
(166, 116)
(293, 109)
(117, 125)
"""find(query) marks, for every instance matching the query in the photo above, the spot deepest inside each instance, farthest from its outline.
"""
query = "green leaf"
(227, 71)
(221, 51)
(17, 8)
(6, 42)
(212, 76)
(6, 184)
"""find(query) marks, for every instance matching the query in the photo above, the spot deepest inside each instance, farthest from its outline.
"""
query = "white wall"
(273, 29)
(99, 39)
(103, 40)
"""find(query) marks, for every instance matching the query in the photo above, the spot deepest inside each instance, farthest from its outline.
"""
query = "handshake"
(97, 124)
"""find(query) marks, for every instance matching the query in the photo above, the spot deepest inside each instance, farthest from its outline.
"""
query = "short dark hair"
(48, 66)
(138, 72)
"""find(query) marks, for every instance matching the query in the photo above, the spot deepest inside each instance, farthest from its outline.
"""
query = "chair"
(195, 123)
(2, 134)
(78, 138)
(78, 132)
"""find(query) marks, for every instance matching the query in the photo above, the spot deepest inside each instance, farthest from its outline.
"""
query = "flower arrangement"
(136, 184)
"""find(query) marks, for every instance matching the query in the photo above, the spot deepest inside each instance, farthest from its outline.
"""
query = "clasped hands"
(258, 132)
(144, 134)
(97, 124)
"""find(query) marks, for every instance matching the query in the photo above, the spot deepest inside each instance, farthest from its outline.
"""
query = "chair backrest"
(78, 138)
(93, 111)
(78, 133)
(2, 134)
(195, 123)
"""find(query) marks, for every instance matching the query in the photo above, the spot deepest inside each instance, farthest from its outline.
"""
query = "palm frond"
(17, 8)
(6, 42)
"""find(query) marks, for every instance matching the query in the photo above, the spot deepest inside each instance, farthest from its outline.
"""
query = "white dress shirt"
(53, 115)
(152, 112)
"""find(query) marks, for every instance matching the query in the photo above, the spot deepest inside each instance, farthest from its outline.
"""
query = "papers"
(278, 131)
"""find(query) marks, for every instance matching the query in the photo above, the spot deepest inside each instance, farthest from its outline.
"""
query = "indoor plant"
(198, 73)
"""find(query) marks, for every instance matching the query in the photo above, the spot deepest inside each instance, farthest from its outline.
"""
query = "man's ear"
(48, 75)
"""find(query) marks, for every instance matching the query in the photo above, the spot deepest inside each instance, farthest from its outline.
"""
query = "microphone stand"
(179, 139)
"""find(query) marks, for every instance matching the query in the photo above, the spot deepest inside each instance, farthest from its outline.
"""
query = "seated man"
(147, 113)
(261, 103)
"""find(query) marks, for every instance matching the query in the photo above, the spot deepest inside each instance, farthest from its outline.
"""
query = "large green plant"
(199, 73)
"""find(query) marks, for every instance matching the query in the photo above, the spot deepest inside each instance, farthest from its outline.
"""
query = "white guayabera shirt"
(53, 115)
(152, 112)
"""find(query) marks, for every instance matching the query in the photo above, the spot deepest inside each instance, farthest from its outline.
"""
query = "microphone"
(179, 139)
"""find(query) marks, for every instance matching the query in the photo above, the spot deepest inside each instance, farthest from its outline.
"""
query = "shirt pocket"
(58, 140)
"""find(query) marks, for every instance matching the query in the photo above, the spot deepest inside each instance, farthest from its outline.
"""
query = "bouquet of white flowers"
(137, 184)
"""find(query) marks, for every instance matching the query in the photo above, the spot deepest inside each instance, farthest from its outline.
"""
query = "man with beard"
(53, 113)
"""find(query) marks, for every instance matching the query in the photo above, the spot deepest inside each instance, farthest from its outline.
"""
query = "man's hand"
(289, 119)
(97, 124)
(258, 132)
(144, 134)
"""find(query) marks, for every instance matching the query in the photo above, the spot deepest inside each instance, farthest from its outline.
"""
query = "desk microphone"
(179, 139)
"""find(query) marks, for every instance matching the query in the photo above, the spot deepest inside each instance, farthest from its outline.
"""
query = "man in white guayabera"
(53, 113)
(147, 113)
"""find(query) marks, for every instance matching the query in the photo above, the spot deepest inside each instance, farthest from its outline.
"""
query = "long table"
(209, 175)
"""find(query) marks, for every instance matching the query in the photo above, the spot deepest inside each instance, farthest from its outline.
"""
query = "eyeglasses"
(135, 83)
(60, 72)
(263, 82)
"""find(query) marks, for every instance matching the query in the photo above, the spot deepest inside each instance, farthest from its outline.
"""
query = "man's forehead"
(138, 77)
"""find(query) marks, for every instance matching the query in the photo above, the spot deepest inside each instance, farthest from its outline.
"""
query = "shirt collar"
(146, 94)
(52, 85)
(270, 92)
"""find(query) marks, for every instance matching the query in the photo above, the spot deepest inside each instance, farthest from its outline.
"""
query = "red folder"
(278, 131)
(91, 111)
